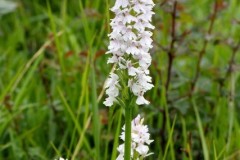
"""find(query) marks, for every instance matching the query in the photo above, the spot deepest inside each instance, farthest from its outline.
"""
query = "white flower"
(120, 3)
(132, 71)
(113, 59)
(142, 149)
(141, 100)
(112, 89)
(140, 139)
(130, 42)
(139, 87)
(61, 159)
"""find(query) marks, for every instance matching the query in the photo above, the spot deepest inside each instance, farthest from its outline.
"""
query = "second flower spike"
(140, 139)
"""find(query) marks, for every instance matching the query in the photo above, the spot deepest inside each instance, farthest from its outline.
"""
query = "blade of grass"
(214, 151)
(110, 121)
(21, 72)
(200, 130)
(116, 137)
(58, 44)
(96, 119)
(73, 117)
(79, 144)
(231, 108)
(185, 143)
(170, 134)
(69, 111)
(26, 82)
(168, 127)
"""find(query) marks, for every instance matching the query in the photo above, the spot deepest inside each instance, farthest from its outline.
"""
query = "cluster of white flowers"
(140, 140)
(129, 46)
(61, 158)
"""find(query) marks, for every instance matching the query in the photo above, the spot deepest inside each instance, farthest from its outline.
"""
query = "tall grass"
(53, 68)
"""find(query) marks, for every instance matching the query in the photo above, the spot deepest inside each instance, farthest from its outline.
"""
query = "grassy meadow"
(53, 68)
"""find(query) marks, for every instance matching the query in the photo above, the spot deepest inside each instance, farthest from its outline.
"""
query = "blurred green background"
(53, 68)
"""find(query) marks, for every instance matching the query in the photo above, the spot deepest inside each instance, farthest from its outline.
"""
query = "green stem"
(201, 132)
(128, 118)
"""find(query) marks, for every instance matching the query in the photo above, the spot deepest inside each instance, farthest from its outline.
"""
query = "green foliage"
(53, 68)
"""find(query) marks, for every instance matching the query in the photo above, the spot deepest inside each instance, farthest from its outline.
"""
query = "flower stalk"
(130, 42)
(128, 119)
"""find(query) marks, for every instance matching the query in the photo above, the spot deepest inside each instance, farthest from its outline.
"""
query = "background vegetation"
(53, 68)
